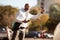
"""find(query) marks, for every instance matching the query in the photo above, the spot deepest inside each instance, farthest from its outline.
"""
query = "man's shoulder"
(22, 9)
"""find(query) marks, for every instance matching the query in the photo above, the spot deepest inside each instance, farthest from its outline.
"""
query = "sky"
(18, 3)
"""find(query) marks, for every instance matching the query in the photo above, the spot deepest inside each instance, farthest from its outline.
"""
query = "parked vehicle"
(48, 35)
(42, 35)
(33, 34)
(3, 33)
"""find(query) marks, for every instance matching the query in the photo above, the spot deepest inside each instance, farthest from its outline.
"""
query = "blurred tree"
(54, 13)
(43, 19)
(51, 24)
(34, 10)
(34, 23)
(7, 15)
(37, 24)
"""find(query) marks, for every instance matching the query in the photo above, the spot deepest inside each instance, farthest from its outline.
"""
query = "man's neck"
(25, 9)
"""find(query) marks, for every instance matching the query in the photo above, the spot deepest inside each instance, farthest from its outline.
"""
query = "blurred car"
(48, 35)
(3, 33)
(33, 34)
(42, 35)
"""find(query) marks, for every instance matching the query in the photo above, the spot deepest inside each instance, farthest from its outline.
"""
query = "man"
(22, 19)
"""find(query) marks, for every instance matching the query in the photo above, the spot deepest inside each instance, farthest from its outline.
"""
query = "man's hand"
(25, 21)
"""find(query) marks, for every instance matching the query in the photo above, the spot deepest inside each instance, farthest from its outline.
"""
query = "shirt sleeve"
(19, 16)
(30, 16)
(36, 16)
(33, 17)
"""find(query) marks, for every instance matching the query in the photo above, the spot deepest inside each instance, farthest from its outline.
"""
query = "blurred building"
(38, 3)
(47, 3)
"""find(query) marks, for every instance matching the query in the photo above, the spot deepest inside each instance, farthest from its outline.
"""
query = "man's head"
(26, 7)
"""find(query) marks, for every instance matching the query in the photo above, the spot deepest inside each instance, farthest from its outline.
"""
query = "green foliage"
(34, 26)
(34, 11)
(7, 15)
(39, 23)
(51, 25)
(55, 12)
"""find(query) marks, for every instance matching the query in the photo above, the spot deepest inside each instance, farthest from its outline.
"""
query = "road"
(36, 39)
(32, 38)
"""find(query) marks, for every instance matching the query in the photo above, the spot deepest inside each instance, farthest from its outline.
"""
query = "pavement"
(36, 39)
(32, 38)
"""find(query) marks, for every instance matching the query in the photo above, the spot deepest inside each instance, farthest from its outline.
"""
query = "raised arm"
(36, 16)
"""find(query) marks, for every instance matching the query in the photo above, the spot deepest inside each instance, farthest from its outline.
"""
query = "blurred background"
(43, 26)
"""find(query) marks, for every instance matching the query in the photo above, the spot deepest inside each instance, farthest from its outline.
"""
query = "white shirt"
(22, 15)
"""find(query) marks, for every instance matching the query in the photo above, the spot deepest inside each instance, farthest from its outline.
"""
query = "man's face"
(26, 7)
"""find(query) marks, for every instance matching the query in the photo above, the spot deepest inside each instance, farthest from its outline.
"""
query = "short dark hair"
(26, 4)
